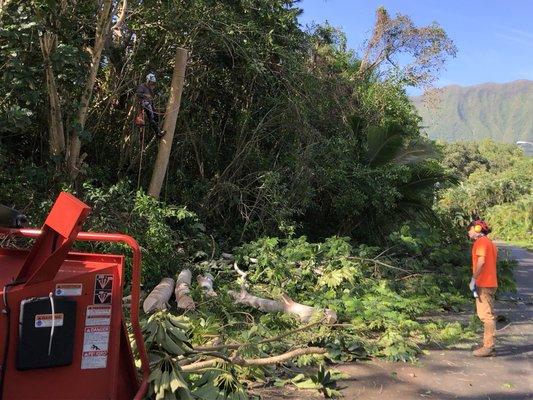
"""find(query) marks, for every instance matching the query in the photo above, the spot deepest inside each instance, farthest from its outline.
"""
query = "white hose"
(51, 297)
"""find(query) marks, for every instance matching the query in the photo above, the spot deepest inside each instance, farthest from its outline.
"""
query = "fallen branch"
(183, 288)
(254, 362)
(287, 305)
(307, 312)
(373, 260)
(236, 346)
(159, 297)
(242, 274)
(266, 305)
(206, 283)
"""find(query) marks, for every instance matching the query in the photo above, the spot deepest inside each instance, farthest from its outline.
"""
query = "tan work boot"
(483, 352)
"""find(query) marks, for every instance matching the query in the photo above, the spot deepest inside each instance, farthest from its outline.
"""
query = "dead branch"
(120, 20)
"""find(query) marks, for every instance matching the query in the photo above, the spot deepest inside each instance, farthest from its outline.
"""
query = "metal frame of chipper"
(62, 330)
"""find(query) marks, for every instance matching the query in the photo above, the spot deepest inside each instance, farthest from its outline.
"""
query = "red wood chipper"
(62, 331)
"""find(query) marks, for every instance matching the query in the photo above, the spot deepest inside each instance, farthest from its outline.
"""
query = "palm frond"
(425, 178)
(416, 152)
(383, 145)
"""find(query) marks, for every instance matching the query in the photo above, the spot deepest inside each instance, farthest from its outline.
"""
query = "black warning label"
(103, 289)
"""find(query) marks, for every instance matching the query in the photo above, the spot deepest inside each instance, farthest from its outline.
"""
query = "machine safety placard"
(95, 347)
(94, 359)
(69, 289)
(98, 315)
(103, 289)
(47, 320)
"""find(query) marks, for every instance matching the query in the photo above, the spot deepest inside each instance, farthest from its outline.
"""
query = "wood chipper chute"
(62, 330)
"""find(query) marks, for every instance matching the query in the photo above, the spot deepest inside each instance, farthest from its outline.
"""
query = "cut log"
(159, 297)
(307, 312)
(287, 305)
(266, 305)
(206, 283)
(126, 300)
(183, 288)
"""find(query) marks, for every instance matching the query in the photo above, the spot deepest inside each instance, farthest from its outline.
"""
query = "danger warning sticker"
(94, 359)
(98, 315)
(103, 289)
(95, 347)
(47, 320)
(69, 289)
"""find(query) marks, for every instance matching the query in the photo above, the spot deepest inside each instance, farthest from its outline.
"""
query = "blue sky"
(494, 38)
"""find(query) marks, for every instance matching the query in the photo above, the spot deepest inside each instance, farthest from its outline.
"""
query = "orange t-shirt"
(483, 247)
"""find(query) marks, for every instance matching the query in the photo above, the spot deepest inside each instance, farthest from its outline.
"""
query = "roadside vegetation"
(496, 182)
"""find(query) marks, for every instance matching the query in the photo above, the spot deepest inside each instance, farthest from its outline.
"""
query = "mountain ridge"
(501, 111)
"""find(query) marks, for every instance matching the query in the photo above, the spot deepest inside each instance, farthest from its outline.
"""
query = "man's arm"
(479, 267)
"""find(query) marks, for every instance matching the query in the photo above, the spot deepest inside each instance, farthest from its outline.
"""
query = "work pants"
(485, 312)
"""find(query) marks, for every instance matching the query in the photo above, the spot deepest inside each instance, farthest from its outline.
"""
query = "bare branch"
(254, 362)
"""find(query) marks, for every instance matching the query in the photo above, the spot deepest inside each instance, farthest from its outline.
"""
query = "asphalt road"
(455, 373)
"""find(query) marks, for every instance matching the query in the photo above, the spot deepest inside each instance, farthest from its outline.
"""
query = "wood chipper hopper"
(62, 331)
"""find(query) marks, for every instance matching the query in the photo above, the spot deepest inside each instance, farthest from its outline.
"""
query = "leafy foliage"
(496, 185)
(324, 381)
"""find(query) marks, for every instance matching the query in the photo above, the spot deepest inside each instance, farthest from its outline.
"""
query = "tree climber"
(145, 94)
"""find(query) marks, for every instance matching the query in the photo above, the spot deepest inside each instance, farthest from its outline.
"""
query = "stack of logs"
(160, 296)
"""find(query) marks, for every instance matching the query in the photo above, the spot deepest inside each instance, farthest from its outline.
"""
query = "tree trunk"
(48, 43)
(183, 287)
(159, 297)
(102, 29)
(169, 124)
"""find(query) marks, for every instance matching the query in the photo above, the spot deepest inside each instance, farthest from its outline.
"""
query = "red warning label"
(48, 320)
(95, 347)
(94, 359)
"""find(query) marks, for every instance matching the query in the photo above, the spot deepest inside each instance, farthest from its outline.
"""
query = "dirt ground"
(454, 373)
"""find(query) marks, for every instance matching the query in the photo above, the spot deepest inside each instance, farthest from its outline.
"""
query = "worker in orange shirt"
(484, 282)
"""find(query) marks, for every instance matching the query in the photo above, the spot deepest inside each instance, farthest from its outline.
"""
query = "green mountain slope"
(503, 112)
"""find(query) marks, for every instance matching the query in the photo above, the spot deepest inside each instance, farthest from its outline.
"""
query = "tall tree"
(48, 42)
(74, 160)
(428, 47)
